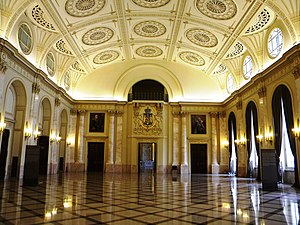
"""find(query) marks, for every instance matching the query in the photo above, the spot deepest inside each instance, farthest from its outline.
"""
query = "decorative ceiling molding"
(238, 49)
(82, 8)
(97, 36)
(220, 69)
(76, 66)
(150, 29)
(38, 15)
(106, 57)
(217, 9)
(201, 37)
(60, 46)
(261, 21)
(151, 3)
(149, 51)
(191, 58)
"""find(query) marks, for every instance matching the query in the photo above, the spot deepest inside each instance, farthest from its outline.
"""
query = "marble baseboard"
(223, 169)
(184, 169)
(109, 168)
(161, 169)
(76, 167)
(289, 177)
(242, 171)
(215, 169)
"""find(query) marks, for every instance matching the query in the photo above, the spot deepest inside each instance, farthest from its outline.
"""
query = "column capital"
(222, 114)
(176, 114)
(239, 104)
(183, 113)
(214, 114)
(3, 63)
(36, 88)
(73, 112)
(57, 102)
(296, 72)
(111, 112)
(81, 111)
(119, 113)
(262, 91)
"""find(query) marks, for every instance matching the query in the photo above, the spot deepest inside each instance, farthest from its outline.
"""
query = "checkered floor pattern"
(146, 198)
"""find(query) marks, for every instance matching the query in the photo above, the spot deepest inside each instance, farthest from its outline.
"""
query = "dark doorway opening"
(95, 156)
(147, 157)
(3, 153)
(43, 143)
(199, 158)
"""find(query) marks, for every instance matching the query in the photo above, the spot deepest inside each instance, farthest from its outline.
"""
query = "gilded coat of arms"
(147, 120)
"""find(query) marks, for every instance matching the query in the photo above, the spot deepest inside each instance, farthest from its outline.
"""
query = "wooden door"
(199, 158)
(3, 153)
(95, 156)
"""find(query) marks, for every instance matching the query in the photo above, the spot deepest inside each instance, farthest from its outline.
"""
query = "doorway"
(95, 156)
(199, 158)
(43, 143)
(147, 157)
(3, 153)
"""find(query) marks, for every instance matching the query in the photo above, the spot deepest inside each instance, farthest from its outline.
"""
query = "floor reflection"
(146, 198)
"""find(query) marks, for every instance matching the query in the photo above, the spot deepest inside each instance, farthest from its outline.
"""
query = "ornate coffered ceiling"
(92, 34)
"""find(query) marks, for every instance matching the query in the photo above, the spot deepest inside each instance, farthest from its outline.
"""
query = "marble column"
(296, 73)
(224, 151)
(119, 142)
(79, 161)
(214, 117)
(184, 156)
(176, 139)
(71, 137)
(111, 142)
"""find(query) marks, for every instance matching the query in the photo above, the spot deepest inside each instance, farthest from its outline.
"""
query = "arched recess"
(282, 106)
(151, 72)
(252, 142)
(62, 144)
(44, 124)
(233, 156)
(15, 106)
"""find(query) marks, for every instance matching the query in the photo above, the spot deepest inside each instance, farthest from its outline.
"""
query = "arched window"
(233, 165)
(230, 83)
(247, 68)
(148, 90)
(50, 63)
(275, 42)
(25, 38)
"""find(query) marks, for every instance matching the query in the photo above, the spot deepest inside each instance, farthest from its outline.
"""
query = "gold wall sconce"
(296, 130)
(36, 134)
(259, 138)
(2, 127)
(52, 137)
(225, 143)
(27, 131)
(269, 136)
(58, 138)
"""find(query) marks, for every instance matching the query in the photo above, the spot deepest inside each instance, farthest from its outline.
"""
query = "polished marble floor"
(146, 199)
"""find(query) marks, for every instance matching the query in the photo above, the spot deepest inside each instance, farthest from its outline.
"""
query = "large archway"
(15, 110)
(285, 144)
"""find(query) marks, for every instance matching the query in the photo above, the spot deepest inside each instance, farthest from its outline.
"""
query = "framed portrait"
(198, 124)
(97, 122)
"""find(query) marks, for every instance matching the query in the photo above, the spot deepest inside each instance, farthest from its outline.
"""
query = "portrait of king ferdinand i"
(97, 122)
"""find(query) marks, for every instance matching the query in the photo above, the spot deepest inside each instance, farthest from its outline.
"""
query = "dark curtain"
(251, 107)
(232, 125)
(282, 93)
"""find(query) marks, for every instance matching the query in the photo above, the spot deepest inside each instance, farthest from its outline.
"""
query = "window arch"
(25, 38)
(248, 67)
(275, 42)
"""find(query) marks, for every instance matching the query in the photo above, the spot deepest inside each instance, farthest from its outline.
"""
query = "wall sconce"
(296, 130)
(52, 137)
(259, 138)
(70, 141)
(27, 131)
(243, 140)
(36, 134)
(58, 138)
(2, 126)
(225, 143)
(269, 136)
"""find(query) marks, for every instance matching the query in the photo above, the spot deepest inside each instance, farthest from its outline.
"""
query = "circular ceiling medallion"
(81, 8)
(150, 29)
(106, 57)
(217, 9)
(151, 3)
(149, 51)
(97, 36)
(192, 58)
(202, 37)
